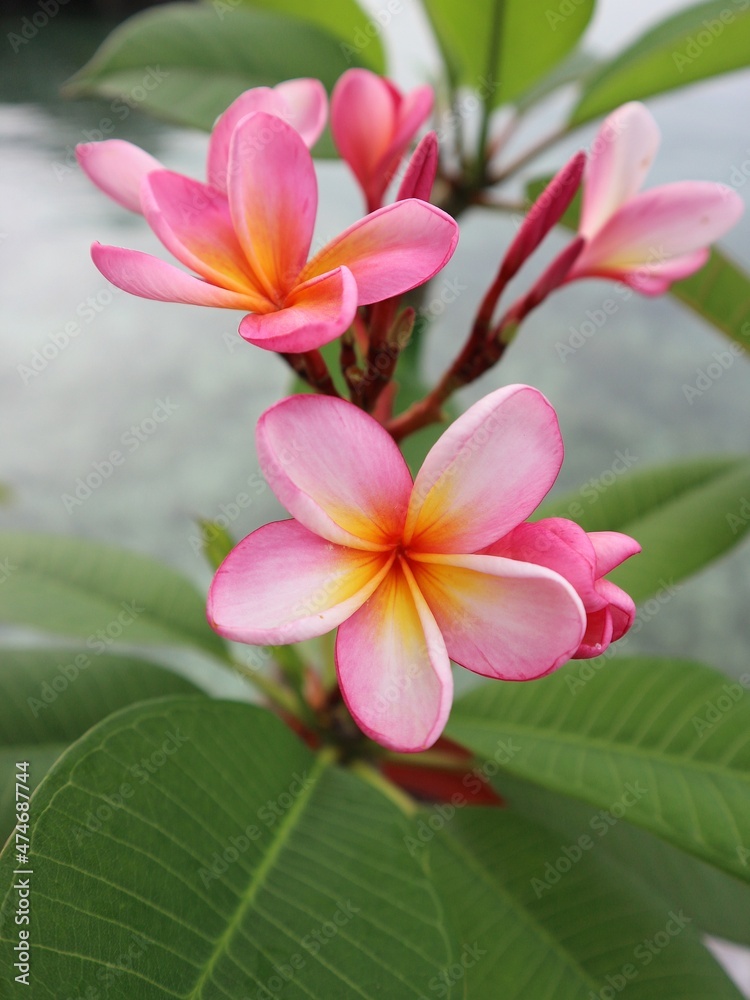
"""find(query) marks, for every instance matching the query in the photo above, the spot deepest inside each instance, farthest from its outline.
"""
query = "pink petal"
(621, 607)
(499, 617)
(307, 104)
(486, 474)
(413, 111)
(598, 635)
(392, 250)
(193, 222)
(662, 223)
(314, 314)
(258, 99)
(621, 156)
(151, 278)
(336, 470)
(273, 196)
(117, 168)
(656, 278)
(421, 172)
(393, 667)
(283, 584)
(611, 548)
(363, 122)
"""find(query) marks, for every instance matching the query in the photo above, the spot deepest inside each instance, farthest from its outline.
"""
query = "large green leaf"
(703, 500)
(101, 594)
(703, 41)
(228, 860)
(360, 35)
(719, 903)
(501, 48)
(185, 63)
(538, 922)
(50, 697)
(665, 742)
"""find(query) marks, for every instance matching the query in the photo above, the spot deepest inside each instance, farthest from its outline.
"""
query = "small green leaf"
(636, 734)
(101, 594)
(684, 515)
(537, 922)
(216, 542)
(226, 855)
(185, 63)
(52, 696)
(703, 41)
(533, 37)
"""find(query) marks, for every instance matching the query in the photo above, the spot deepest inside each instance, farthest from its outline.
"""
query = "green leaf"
(720, 293)
(185, 63)
(101, 594)
(360, 34)
(532, 37)
(227, 859)
(684, 515)
(632, 734)
(52, 696)
(216, 542)
(703, 41)
(582, 936)
(719, 903)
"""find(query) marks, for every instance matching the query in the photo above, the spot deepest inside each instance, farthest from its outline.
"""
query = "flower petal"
(486, 474)
(151, 278)
(662, 223)
(621, 607)
(283, 584)
(273, 196)
(413, 111)
(363, 121)
(611, 548)
(421, 171)
(655, 278)
(499, 617)
(621, 156)
(193, 222)
(117, 168)
(393, 667)
(392, 250)
(314, 314)
(257, 99)
(307, 104)
(336, 470)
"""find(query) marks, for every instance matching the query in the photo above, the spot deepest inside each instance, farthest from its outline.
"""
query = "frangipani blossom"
(646, 239)
(405, 569)
(372, 124)
(250, 245)
(118, 167)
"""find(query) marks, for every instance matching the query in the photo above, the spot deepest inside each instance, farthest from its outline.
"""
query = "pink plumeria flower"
(372, 124)
(403, 568)
(646, 239)
(118, 167)
(250, 245)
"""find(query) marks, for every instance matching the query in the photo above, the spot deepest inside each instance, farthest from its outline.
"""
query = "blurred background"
(87, 369)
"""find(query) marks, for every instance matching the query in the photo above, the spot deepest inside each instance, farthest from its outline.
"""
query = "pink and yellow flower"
(416, 574)
(646, 239)
(372, 124)
(247, 236)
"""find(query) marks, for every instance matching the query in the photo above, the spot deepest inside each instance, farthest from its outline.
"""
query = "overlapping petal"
(283, 584)
(391, 250)
(117, 168)
(393, 666)
(500, 617)
(336, 470)
(486, 474)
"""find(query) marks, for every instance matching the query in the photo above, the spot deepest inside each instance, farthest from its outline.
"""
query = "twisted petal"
(660, 224)
(393, 667)
(314, 314)
(117, 168)
(193, 222)
(621, 156)
(611, 549)
(151, 278)
(499, 617)
(273, 197)
(336, 470)
(283, 584)
(392, 250)
(486, 474)
(363, 122)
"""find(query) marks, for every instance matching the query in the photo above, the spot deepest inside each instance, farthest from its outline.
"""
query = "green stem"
(277, 694)
(405, 802)
(493, 62)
